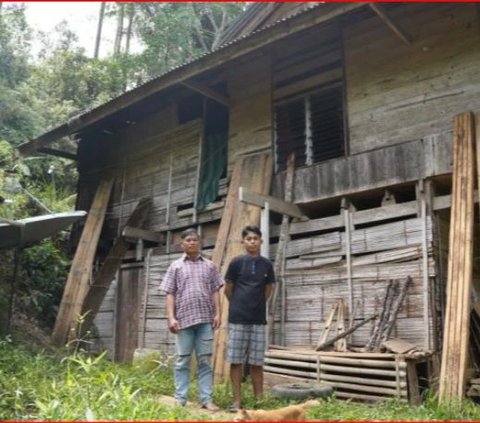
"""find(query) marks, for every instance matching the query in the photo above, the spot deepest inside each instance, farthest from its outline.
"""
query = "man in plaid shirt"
(193, 309)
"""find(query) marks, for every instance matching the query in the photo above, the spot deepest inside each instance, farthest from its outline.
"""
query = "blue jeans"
(198, 338)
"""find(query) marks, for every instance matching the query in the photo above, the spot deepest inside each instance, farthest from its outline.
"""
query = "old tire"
(301, 391)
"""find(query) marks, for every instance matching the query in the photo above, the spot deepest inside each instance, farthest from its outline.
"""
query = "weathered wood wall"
(250, 124)
(396, 92)
(400, 104)
(316, 276)
(397, 164)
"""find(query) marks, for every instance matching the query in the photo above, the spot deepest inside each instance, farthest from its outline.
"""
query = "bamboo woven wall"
(316, 277)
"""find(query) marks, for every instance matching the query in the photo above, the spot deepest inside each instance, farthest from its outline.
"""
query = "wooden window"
(311, 126)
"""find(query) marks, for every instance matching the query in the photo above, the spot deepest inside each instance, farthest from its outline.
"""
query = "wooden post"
(80, 271)
(421, 196)
(265, 228)
(279, 262)
(348, 249)
(457, 316)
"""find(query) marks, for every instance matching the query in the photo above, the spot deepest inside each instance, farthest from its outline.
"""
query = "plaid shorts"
(246, 341)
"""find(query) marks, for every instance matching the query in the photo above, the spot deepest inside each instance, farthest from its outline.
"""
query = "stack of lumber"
(457, 319)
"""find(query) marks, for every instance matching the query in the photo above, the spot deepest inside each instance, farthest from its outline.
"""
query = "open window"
(311, 126)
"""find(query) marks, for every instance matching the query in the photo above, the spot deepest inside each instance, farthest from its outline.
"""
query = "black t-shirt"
(249, 275)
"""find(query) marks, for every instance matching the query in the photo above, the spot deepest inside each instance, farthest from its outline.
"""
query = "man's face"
(252, 243)
(190, 245)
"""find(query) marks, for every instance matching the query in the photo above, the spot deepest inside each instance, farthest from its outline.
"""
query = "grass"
(36, 386)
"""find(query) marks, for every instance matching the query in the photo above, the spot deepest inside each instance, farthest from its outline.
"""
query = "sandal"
(234, 407)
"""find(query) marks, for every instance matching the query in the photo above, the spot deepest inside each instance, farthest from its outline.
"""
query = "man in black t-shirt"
(249, 282)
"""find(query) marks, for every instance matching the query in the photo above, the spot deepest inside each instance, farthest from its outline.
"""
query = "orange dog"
(292, 413)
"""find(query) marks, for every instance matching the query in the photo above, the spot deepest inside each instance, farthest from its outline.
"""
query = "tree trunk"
(119, 34)
(101, 14)
(131, 15)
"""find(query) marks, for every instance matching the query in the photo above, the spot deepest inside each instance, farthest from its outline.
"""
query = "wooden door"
(129, 294)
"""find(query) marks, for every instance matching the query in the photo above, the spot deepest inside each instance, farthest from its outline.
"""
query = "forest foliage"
(47, 79)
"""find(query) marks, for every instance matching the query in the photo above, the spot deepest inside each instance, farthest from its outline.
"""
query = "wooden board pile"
(452, 381)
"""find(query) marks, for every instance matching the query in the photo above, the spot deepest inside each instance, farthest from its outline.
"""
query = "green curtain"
(213, 165)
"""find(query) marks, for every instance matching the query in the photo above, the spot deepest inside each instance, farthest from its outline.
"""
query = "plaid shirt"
(193, 284)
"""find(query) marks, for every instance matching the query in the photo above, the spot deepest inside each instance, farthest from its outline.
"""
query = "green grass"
(37, 386)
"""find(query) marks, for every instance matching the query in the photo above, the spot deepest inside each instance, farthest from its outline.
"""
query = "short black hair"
(188, 232)
(251, 228)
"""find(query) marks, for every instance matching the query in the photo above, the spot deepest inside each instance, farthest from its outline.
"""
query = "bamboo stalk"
(388, 364)
(357, 396)
(361, 370)
(272, 369)
(362, 380)
(363, 388)
(289, 363)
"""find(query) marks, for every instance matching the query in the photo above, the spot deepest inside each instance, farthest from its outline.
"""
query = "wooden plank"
(328, 323)
(413, 389)
(81, 268)
(389, 22)
(255, 173)
(456, 328)
(276, 205)
(131, 232)
(97, 290)
(398, 345)
(207, 92)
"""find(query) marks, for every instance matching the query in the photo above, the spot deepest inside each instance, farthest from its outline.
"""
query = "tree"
(101, 15)
(174, 33)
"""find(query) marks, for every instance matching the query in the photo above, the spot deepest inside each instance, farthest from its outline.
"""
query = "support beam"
(97, 290)
(388, 21)
(78, 280)
(276, 205)
(207, 92)
(58, 153)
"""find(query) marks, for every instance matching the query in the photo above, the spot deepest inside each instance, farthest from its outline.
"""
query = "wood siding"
(250, 109)
(384, 167)
(398, 93)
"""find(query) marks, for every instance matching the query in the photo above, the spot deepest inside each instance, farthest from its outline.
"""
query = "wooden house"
(363, 94)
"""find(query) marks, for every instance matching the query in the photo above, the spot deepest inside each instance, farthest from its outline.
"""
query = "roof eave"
(218, 57)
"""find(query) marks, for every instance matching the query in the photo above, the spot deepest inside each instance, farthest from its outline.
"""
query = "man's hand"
(173, 325)
(216, 321)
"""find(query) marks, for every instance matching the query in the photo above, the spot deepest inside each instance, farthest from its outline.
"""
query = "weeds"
(86, 388)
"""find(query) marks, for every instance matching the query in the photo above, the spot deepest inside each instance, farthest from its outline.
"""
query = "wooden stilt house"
(364, 95)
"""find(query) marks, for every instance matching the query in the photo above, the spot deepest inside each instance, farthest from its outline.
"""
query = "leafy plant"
(84, 387)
